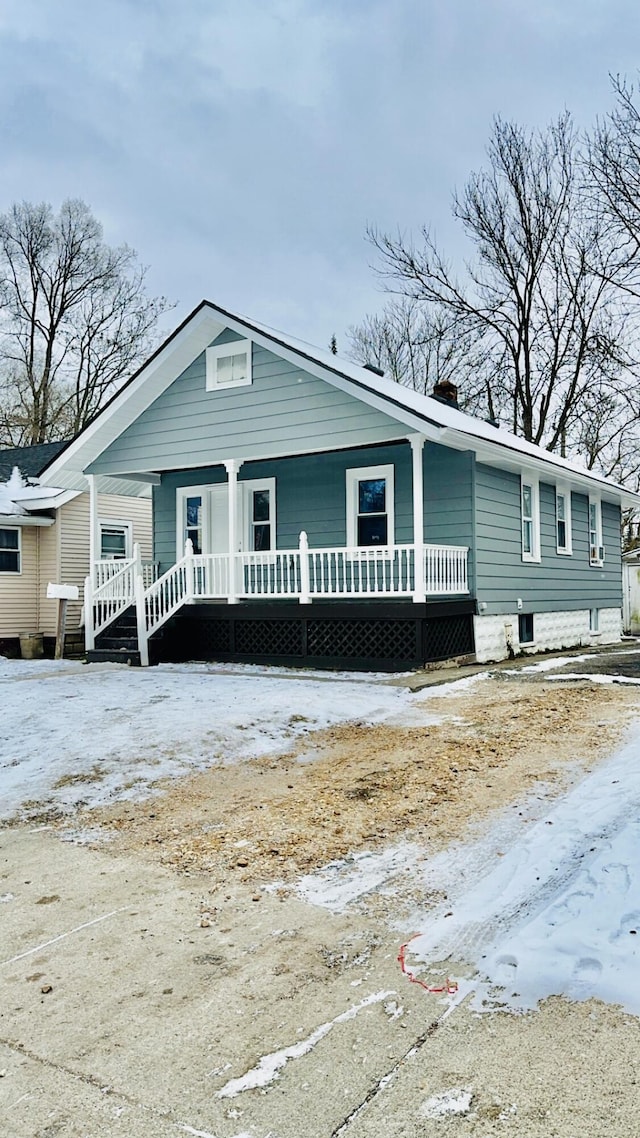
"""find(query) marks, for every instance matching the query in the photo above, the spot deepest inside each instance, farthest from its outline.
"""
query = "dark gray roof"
(30, 461)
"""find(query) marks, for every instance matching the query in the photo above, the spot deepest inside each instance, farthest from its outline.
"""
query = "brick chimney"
(446, 392)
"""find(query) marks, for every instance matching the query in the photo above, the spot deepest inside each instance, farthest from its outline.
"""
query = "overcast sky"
(242, 146)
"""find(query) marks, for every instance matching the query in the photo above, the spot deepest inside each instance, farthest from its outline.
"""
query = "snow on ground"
(72, 733)
(558, 912)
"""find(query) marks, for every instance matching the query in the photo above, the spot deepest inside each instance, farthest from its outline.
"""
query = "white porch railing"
(301, 574)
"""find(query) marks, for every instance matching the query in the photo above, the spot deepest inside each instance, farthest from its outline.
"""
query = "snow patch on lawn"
(339, 883)
(558, 913)
(74, 734)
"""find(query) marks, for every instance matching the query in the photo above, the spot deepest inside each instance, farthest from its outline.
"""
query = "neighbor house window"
(370, 506)
(563, 521)
(115, 541)
(530, 516)
(594, 621)
(228, 365)
(260, 514)
(9, 550)
(596, 548)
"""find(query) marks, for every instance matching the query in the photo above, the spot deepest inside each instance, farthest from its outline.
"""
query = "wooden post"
(61, 629)
(63, 594)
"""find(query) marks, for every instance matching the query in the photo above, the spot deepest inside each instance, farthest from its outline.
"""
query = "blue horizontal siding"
(558, 582)
(284, 410)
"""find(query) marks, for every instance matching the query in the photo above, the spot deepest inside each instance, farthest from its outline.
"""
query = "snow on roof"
(17, 499)
(434, 411)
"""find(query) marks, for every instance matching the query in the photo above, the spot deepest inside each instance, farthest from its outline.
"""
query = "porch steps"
(118, 644)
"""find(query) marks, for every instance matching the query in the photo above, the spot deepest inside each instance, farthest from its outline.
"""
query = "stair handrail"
(166, 595)
(105, 603)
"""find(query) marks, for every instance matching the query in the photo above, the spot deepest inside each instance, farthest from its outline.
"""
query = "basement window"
(228, 365)
(525, 628)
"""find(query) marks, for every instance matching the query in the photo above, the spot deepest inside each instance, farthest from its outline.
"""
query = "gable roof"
(413, 411)
(30, 460)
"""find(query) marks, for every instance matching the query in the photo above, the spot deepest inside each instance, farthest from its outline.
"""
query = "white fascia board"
(162, 369)
(12, 520)
(49, 501)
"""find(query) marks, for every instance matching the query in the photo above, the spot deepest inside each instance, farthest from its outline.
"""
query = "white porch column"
(419, 583)
(232, 466)
(94, 528)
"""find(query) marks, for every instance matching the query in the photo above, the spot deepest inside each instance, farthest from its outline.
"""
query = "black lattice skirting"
(388, 637)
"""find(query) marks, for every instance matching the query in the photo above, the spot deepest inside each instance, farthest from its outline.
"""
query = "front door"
(203, 518)
(218, 536)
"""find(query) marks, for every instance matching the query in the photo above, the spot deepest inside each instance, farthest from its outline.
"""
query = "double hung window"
(9, 550)
(370, 519)
(530, 520)
(260, 519)
(563, 521)
(115, 541)
(596, 548)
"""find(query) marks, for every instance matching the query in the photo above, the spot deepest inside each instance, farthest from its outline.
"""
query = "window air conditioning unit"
(596, 554)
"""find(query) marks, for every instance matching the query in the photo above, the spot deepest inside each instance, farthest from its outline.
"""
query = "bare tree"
(74, 320)
(419, 347)
(542, 294)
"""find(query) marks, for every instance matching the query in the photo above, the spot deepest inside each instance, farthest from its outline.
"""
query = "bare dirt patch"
(357, 786)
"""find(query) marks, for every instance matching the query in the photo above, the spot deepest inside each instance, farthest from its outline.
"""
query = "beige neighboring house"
(45, 537)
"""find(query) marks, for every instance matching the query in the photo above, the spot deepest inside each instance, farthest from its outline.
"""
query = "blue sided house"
(310, 511)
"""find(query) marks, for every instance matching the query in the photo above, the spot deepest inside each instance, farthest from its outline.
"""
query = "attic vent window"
(229, 365)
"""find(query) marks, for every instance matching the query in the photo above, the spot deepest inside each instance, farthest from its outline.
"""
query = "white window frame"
(14, 572)
(532, 555)
(222, 351)
(248, 488)
(594, 622)
(358, 474)
(567, 549)
(117, 523)
(182, 493)
(596, 547)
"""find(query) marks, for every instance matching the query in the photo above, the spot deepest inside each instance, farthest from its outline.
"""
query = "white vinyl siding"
(19, 591)
(74, 538)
